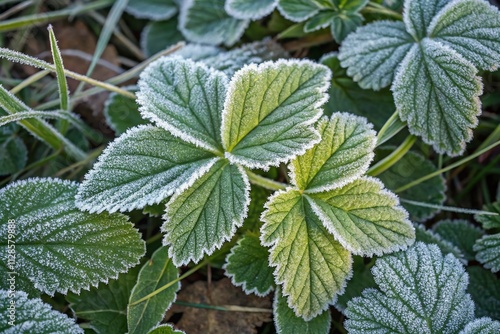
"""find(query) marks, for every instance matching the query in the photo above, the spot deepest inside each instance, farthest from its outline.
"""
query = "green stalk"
(375, 8)
(265, 182)
(449, 208)
(392, 158)
(391, 128)
(30, 80)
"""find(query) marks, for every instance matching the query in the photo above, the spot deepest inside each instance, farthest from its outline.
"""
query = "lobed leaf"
(373, 53)
(142, 167)
(442, 117)
(152, 9)
(488, 251)
(259, 135)
(32, 316)
(460, 233)
(343, 23)
(364, 217)
(252, 10)
(58, 247)
(430, 237)
(185, 98)
(343, 154)
(418, 15)
(472, 28)
(311, 266)
(490, 221)
(199, 219)
(286, 322)
(158, 36)
(202, 21)
(421, 291)
(247, 265)
(482, 326)
(297, 10)
(155, 273)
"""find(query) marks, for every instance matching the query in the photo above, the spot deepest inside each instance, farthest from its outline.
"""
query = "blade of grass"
(449, 208)
(392, 158)
(28, 81)
(391, 128)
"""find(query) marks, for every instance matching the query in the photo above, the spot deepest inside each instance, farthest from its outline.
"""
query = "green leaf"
(142, 167)
(122, 113)
(32, 316)
(165, 329)
(310, 264)
(319, 21)
(152, 9)
(158, 36)
(488, 251)
(185, 98)
(105, 306)
(253, 10)
(364, 217)
(418, 15)
(430, 237)
(286, 322)
(346, 95)
(259, 135)
(58, 247)
(482, 326)
(247, 265)
(460, 233)
(297, 10)
(199, 219)
(472, 28)
(413, 166)
(373, 53)
(442, 117)
(155, 273)
(13, 151)
(484, 288)
(343, 154)
(422, 291)
(58, 63)
(351, 5)
(202, 21)
(490, 221)
(343, 23)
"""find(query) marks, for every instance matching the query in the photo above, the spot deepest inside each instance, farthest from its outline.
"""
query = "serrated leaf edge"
(295, 19)
(260, 13)
(109, 101)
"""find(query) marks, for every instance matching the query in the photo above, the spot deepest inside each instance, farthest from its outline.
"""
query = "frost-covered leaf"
(207, 22)
(442, 117)
(286, 322)
(13, 151)
(364, 217)
(185, 98)
(158, 36)
(258, 134)
(155, 273)
(165, 329)
(310, 264)
(198, 52)
(488, 251)
(343, 23)
(482, 326)
(122, 113)
(58, 247)
(484, 288)
(418, 15)
(343, 154)
(105, 306)
(152, 9)
(247, 265)
(199, 219)
(253, 10)
(430, 237)
(32, 316)
(413, 166)
(472, 28)
(319, 21)
(142, 167)
(422, 291)
(346, 95)
(460, 233)
(373, 53)
(490, 221)
(298, 10)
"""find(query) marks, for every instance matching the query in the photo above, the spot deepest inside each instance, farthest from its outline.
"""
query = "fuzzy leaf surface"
(430, 237)
(207, 22)
(13, 151)
(373, 53)
(165, 329)
(205, 215)
(155, 273)
(488, 251)
(248, 266)
(253, 10)
(343, 154)
(490, 221)
(286, 322)
(152, 9)
(442, 117)
(421, 291)
(158, 36)
(482, 326)
(185, 98)
(343, 23)
(309, 263)
(60, 248)
(142, 167)
(258, 134)
(418, 15)
(484, 288)
(460, 233)
(122, 113)
(472, 28)
(364, 217)
(33, 316)
(298, 10)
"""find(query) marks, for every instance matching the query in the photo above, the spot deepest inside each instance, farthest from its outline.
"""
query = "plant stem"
(264, 182)
(28, 81)
(227, 308)
(447, 168)
(391, 127)
(449, 208)
(375, 8)
(392, 158)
